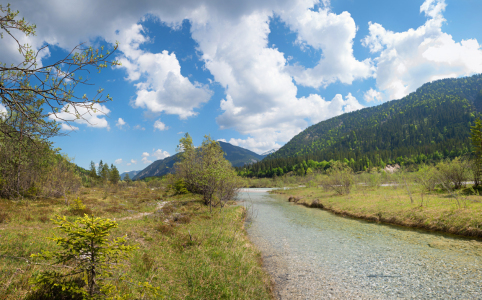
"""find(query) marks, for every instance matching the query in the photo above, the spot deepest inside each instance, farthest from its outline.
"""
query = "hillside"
(236, 155)
(131, 174)
(431, 123)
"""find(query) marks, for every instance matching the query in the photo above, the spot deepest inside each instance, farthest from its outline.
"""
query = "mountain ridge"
(433, 120)
(238, 157)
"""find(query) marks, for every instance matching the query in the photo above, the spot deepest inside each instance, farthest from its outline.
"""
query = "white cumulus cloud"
(408, 59)
(161, 87)
(120, 123)
(160, 126)
(372, 95)
(332, 34)
(118, 161)
(145, 158)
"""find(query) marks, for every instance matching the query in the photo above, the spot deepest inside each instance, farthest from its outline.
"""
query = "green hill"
(429, 124)
(236, 155)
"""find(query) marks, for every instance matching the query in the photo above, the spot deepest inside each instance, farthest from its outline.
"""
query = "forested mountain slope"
(236, 155)
(434, 120)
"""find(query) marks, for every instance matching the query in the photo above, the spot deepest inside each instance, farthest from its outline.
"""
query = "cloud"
(260, 98)
(120, 123)
(160, 126)
(274, 128)
(133, 161)
(145, 158)
(139, 127)
(332, 34)
(162, 88)
(255, 145)
(129, 164)
(159, 154)
(408, 59)
(118, 161)
(2, 109)
(221, 140)
(94, 117)
(372, 95)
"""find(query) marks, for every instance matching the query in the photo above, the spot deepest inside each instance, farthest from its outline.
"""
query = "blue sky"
(252, 73)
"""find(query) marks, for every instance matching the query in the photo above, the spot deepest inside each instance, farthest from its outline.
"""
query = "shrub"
(78, 208)
(453, 174)
(428, 177)
(340, 178)
(180, 187)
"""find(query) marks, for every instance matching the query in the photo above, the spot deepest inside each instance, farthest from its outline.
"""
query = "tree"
(127, 178)
(105, 174)
(340, 178)
(114, 176)
(28, 86)
(476, 136)
(206, 171)
(61, 178)
(92, 171)
(99, 168)
(85, 260)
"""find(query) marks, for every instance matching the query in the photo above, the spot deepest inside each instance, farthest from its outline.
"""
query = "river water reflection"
(313, 254)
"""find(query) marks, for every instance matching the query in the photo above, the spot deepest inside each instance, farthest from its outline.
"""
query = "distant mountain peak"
(238, 157)
(270, 151)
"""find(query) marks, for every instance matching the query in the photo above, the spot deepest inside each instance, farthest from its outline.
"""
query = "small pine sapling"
(85, 261)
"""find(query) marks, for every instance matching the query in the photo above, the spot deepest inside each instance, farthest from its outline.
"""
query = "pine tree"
(127, 178)
(114, 174)
(93, 172)
(86, 254)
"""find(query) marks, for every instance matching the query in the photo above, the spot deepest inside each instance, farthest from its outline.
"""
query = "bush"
(340, 178)
(78, 208)
(453, 174)
(180, 187)
(428, 177)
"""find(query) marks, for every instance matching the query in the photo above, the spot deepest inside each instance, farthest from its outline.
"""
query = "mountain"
(236, 155)
(239, 156)
(431, 123)
(269, 152)
(131, 174)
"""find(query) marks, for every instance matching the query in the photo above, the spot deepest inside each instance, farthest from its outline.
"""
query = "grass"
(183, 249)
(438, 210)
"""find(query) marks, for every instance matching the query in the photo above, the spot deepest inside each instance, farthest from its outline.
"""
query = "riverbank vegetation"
(440, 197)
(183, 249)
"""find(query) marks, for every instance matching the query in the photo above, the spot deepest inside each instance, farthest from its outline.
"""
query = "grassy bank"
(183, 249)
(400, 205)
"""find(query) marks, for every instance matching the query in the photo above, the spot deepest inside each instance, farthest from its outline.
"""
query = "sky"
(253, 73)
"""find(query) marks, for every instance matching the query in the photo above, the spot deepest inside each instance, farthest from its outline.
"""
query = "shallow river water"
(313, 254)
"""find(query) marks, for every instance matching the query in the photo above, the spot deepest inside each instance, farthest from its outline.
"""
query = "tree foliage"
(204, 170)
(28, 86)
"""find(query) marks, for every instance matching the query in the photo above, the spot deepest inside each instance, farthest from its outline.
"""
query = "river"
(313, 254)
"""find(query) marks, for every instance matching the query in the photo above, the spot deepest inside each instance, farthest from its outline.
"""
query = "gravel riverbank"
(313, 254)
